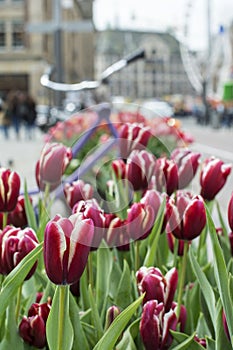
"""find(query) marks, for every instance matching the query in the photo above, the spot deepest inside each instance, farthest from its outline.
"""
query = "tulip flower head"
(213, 177)
(155, 326)
(67, 244)
(139, 169)
(18, 216)
(9, 189)
(188, 216)
(166, 175)
(156, 286)
(230, 213)
(32, 328)
(77, 191)
(15, 244)
(187, 162)
(133, 136)
(53, 161)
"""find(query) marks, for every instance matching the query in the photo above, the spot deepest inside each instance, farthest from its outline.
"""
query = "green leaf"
(221, 275)
(80, 341)
(123, 297)
(11, 338)
(127, 342)
(109, 339)
(154, 237)
(103, 271)
(16, 277)
(210, 344)
(185, 342)
(95, 314)
(58, 326)
(31, 217)
(205, 286)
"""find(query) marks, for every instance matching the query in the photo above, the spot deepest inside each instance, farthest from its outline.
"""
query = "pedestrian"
(12, 111)
(28, 114)
(5, 120)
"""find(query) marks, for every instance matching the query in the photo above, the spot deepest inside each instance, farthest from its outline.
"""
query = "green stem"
(4, 219)
(90, 270)
(18, 302)
(182, 277)
(137, 255)
(62, 291)
(137, 196)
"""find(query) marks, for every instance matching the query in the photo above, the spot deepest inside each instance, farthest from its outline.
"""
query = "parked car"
(156, 108)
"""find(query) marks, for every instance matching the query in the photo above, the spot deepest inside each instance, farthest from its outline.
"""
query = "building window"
(2, 35)
(17, 34)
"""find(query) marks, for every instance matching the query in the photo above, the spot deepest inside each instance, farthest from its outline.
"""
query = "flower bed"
(135, 262)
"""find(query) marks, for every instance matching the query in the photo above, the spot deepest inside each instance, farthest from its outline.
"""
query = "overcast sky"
(159, 15)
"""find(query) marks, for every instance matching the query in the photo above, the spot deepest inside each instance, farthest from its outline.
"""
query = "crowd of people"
(18, 110)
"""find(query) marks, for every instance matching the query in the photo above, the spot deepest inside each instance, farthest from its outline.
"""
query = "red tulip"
(187, 162)
(155, 326)
(213, 177)
(188, 216)
(18, 216)
(166, 175)
(32, 328)
(171, 244)
(140, 220)
(133, 136)
(156, 286)
(117, 234)
(90, 209)
(9, 189)
(67, 244)
(15, 244)
(111, 314)
(230, 213)
(77, 191)
(119, 167)
(139, 169)
(54, 159)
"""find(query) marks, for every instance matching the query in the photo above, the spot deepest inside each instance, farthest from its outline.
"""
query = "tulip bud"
(213, 176)
(188, 216)
(111, 314)
(67, 244)
(15, 244)
(166, 175)
(117, 234)
(54, 159)
(77, 191)
(187, 162)
(139, 169)
(9, 189)
(201, 341)
(32, 328)
(133, 136)
(18, 216)
(155, 326)
(156, 286)
(230, 213)
(225, 326)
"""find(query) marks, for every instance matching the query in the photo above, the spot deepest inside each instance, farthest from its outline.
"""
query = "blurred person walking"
(27, 110)
(5, 120)
(12, 111)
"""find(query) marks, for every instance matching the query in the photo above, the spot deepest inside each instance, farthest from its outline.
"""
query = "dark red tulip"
(90, 209)
(155, 326)
(67, 244)
(225, 326)
(77, 191)
(166, 175)
(230, 213)
(18, 216)
(117, 234)
(187, 162)
(9, 189)
(139, 169)
(188, 216)
(182, 317)
(54, 159)
(15, 244)
(213, 177)
(171, 244)
(119, 167)
(133, 136)
(32, 328)
(201, 341)
(157, 286)
(140, 220)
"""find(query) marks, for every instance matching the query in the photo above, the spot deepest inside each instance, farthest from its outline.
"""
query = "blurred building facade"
(27, 31)
(160, 74)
